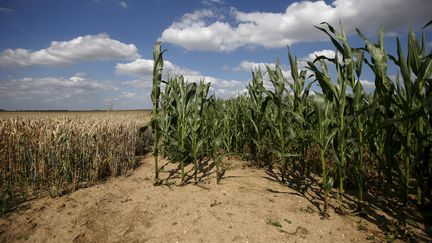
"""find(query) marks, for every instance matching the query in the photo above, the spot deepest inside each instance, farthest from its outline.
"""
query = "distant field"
(57, 151)
(139, 114)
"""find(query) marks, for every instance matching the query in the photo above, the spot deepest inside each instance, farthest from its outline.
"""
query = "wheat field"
(57, 152)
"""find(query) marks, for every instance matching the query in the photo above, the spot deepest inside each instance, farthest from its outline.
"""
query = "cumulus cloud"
(129, 94)
(302, 62)
(144, 67)
(80, 49)
(193, 32)
(326, 53)
(206, 30)
(249, 65)
(367, 85)
(54, 92)
(220, 87)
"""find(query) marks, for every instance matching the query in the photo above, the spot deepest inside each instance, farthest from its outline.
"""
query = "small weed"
(308, 209)
(361, 227)
(126, 200)
(370, 237)
(274, 222)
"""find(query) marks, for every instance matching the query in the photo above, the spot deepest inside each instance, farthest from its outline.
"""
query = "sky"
(97, 54)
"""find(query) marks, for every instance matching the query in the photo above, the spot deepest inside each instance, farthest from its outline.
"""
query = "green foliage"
(155, 95)
(358, 135)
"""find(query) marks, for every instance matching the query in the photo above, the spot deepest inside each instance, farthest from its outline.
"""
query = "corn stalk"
(157, 79)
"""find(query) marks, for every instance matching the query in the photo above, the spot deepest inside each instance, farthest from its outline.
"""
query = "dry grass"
(56, 152)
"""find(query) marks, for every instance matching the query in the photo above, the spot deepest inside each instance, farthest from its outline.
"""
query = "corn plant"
(257, 105)
(155, 94)
(324, 137)
(227, 130)
(196, 123)
(184, 101)
(360, 136)
(384, 97)
(337, 93)
(216, 143)
(281, 126)
(411, 98)
(410, 101)
(300, 107)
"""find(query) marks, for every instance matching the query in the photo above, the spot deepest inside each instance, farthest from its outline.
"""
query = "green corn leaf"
(359, 63)
(427, 24)
(359, 94)
(329, 138)
(413, 53)
(333, 40)
(329, 185)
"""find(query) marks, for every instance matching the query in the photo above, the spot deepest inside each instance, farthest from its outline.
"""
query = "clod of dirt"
(215, 203)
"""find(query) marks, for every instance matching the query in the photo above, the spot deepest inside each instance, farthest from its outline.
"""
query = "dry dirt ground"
(247, 206)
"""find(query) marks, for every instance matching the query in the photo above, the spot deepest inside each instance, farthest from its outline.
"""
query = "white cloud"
(326, 53)
(302, 62)
(144, 67)
(194, 33)
(204, 30)
(139, 67)
(129, 94)
(139, 83)
(80, 49)
(249, 65)
(367, 85)
(54, 92)
(220, 87)
(123, 4)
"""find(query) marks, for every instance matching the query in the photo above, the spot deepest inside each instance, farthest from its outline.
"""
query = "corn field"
(56, 153)
(352, 138)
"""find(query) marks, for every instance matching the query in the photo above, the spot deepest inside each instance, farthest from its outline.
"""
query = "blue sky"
(88, 54)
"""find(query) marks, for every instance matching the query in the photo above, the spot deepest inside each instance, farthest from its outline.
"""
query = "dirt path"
(248, 206)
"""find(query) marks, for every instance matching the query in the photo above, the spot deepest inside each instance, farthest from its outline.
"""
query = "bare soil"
(248, 205)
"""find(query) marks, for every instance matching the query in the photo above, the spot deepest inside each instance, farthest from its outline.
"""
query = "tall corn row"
(197, 137)
(300, 109)
(257, 104)
(359, 136)
(183, 123)
(281, 127)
